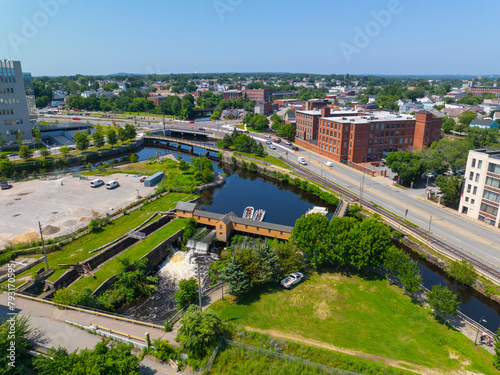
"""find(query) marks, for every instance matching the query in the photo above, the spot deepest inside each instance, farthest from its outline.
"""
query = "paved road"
(472, 236)
(54, 332)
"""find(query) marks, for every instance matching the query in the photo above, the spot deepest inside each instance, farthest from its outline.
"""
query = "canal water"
(284, 205)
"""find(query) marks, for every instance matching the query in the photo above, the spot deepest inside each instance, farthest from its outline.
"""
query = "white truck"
(291, 280)
(302, 160)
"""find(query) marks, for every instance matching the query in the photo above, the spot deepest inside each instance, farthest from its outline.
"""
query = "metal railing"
(90, 311)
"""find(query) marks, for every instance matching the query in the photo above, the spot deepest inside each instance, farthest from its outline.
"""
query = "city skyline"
(395, 37)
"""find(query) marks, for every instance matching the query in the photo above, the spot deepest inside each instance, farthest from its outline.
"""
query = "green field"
(265, 159)
(343, 310)
(134, 253)
(78, 250)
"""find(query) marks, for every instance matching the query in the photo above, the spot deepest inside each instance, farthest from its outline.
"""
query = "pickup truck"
(291, 280)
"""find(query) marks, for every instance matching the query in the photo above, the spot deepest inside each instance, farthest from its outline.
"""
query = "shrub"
(163, 350)
(252, 167)
(462, 271)
(188, 290)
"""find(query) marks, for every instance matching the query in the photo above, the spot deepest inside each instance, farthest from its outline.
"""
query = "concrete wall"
(155, 258)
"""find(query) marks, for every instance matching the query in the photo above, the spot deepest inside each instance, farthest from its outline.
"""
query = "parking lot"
(61, 205)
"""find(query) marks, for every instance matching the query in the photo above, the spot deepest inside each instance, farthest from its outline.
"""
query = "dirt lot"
(61, 205)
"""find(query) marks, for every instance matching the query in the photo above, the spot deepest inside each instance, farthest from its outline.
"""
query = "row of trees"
(256, 122)
(283, 129)
(241, 142)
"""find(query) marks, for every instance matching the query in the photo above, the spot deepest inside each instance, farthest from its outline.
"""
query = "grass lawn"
(134, 253)
(363, 314)
(78, 250)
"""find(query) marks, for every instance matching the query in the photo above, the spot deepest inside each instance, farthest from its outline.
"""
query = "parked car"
(112, 184)
(277, 140)
(328, 163)
(295, 148)
(288, 143)
(272, 147)
(4, 185)
(96, 183)
(374, 164)
(291, 280)
(76, 118)
(269, 142)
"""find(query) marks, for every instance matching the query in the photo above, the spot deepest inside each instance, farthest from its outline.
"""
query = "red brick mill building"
(363, 137)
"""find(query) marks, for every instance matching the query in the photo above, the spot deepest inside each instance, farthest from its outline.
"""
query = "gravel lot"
(61, 205)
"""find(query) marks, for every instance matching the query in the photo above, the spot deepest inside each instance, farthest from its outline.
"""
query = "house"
(496, 116)
(484, 124)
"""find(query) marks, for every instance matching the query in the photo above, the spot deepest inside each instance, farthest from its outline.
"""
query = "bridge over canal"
(167, 142)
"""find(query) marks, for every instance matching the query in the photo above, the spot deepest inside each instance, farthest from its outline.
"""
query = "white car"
(288, 143)
(293, 279)
(272, 147)
(97, 182)
(328, 163)
(112, 184)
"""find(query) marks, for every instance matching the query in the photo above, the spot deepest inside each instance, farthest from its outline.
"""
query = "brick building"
(232, 94)
(368, 137)
(307, 122)
(259, 96)
(481, 89)
(310, 105)
(157, 99)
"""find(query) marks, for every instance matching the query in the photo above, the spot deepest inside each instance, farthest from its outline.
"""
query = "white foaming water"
(177, 267)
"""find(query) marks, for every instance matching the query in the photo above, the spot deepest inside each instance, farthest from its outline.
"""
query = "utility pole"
(429, 233)
(199, 284)
(361, 189)
(43, 246)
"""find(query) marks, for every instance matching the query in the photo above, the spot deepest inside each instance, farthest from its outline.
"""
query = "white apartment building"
(14, 114)
(481, 191)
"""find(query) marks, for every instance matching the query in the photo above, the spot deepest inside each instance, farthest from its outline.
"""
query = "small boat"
(259, 215)
(248, 213)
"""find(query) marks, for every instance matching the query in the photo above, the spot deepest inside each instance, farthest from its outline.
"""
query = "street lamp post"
(429, 233)
(477, 334)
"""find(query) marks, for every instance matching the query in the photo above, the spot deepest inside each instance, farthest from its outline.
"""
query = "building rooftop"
(369, 118)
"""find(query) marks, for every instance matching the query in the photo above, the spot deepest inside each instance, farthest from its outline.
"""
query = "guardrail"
(91, 311)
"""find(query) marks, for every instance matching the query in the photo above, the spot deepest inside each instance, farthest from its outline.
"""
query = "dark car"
(295, 148)
(4, 185)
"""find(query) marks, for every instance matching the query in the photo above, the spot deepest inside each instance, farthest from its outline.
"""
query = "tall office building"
(30, 97)
(14, 114)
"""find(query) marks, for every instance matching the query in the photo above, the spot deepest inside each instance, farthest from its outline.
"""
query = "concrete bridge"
(165, 142)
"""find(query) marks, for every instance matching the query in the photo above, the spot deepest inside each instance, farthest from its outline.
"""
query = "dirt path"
(403, 365)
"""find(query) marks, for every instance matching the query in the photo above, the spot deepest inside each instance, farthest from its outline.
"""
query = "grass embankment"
(78, 250)
(134, 253)
(233, 359)
(359, 314)
(264, 159)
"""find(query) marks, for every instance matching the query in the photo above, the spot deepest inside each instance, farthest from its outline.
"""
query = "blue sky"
(64, 37)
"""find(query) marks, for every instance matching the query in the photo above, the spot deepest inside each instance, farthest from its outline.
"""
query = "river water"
(283, 205)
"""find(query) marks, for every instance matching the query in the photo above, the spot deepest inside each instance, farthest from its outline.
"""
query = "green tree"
(25, 152)
(190, 229)
(187, 293)
(451, 187)
(466, 118)
(107, 357)
(198, 330)
(45, 153)
(98, 138)
(82, 141)
(111, 136)
(311, 234)
(130, 131)
(442, 301)
(462, 271)
(236, 279)
(6, 167)
(14, 344)
(448, 124)
(65, 150)
(122, 134)
(496, 360)
(408, 165)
